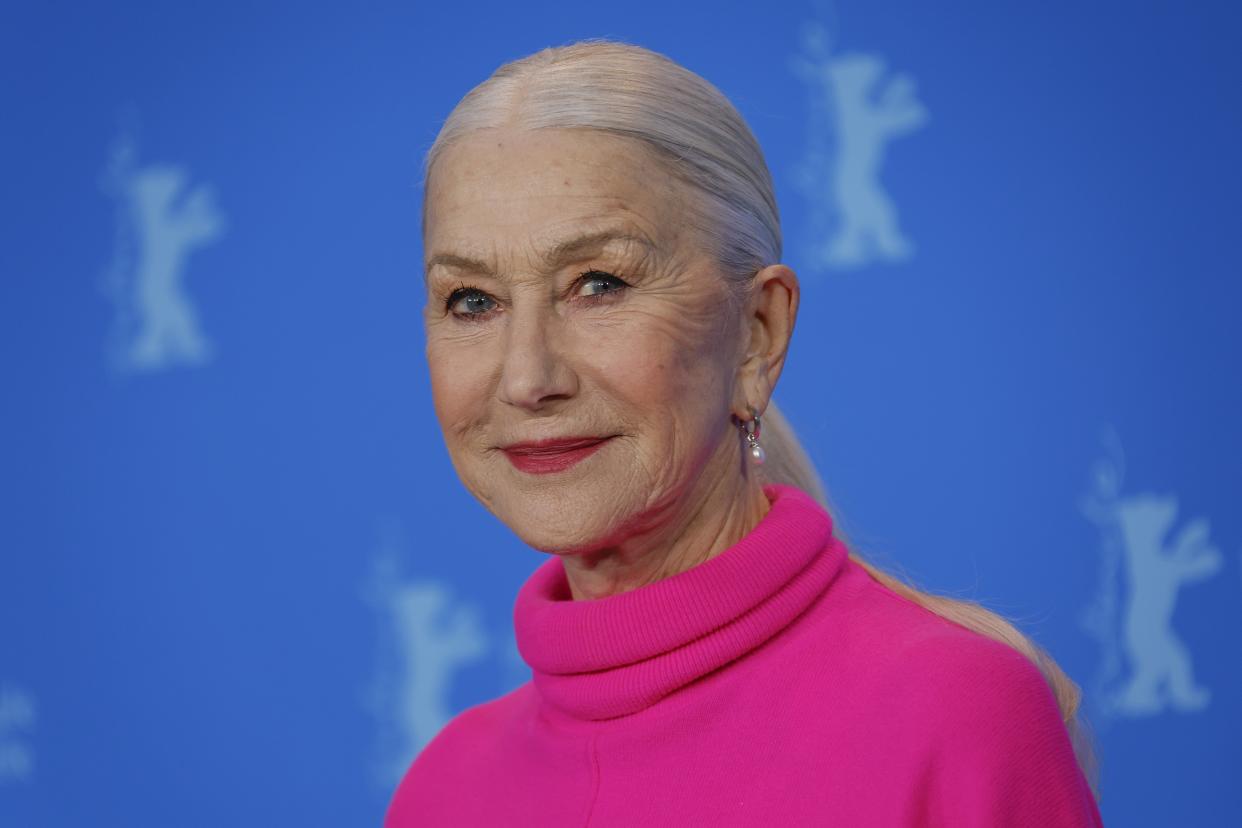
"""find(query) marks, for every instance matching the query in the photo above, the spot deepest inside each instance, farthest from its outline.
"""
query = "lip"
(548, 456)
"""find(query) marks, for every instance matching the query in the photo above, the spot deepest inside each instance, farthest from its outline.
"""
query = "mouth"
(549, 456)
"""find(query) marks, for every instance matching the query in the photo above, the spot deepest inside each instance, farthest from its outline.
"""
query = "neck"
(720, 510)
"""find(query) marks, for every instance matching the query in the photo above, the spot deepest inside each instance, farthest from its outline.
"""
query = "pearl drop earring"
(752, 436)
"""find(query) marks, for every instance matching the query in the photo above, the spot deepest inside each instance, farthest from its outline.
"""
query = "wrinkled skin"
(658, 357)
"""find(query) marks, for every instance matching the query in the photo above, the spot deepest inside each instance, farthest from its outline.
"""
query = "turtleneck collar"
(599, 659)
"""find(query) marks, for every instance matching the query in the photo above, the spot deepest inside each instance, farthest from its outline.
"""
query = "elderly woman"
(606, 321)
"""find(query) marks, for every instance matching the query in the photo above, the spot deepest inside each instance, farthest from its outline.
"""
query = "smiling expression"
(568, 299)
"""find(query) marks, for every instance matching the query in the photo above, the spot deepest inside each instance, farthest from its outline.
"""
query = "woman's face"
(567, 299)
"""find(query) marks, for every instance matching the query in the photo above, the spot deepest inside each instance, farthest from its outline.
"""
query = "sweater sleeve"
(1000, 755)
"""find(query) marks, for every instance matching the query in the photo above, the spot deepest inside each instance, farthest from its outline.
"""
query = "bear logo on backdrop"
(17, 721)
(1146, 668)
(161, 220)
(855, 110)
(427, 636)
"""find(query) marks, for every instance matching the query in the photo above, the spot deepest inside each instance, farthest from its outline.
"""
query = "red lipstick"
(547, 456)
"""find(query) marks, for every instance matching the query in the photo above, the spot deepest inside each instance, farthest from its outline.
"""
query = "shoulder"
(459, 742)
(955, 678)
(458, 754)
(982, 726)
(977, 687)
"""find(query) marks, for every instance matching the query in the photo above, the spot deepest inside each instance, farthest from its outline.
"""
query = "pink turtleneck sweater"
(776, 684)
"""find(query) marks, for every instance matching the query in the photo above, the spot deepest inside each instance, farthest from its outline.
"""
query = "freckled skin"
(658, 362)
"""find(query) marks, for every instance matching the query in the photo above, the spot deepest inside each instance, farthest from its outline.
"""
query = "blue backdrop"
(240, 582)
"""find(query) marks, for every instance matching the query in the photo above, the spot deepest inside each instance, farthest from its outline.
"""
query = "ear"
(768, 323)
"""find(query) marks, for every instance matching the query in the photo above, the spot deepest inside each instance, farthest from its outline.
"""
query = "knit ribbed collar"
(608, 657)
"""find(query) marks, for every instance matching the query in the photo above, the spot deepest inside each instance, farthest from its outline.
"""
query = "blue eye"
(611, 284)
(469, 302)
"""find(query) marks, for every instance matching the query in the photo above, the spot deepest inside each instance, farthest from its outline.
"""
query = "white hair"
(633, 92)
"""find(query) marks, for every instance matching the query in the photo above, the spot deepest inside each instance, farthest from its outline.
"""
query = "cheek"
(662, 374)
(459, 383)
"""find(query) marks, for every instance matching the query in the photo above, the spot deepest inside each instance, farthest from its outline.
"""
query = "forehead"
(497, 187)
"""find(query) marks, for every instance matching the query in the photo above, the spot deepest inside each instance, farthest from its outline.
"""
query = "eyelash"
(589, 275)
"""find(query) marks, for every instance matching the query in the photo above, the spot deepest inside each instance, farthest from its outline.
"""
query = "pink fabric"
(775, 684)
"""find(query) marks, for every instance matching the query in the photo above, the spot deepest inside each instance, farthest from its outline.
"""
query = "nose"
(534, 374)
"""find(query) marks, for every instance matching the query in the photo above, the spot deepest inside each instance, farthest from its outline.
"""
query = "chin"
(559, 521)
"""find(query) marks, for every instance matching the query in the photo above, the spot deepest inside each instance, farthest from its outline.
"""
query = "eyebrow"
(554, 256)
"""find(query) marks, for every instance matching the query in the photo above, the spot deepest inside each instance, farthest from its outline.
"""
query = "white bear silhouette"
(1161, 670)
(170, 224)
(437, 639)
(854, 116)
(17, 719)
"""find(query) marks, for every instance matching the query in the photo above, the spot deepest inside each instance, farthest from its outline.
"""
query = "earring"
(751, 429)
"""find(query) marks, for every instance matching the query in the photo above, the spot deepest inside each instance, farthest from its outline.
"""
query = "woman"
(606, 321)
